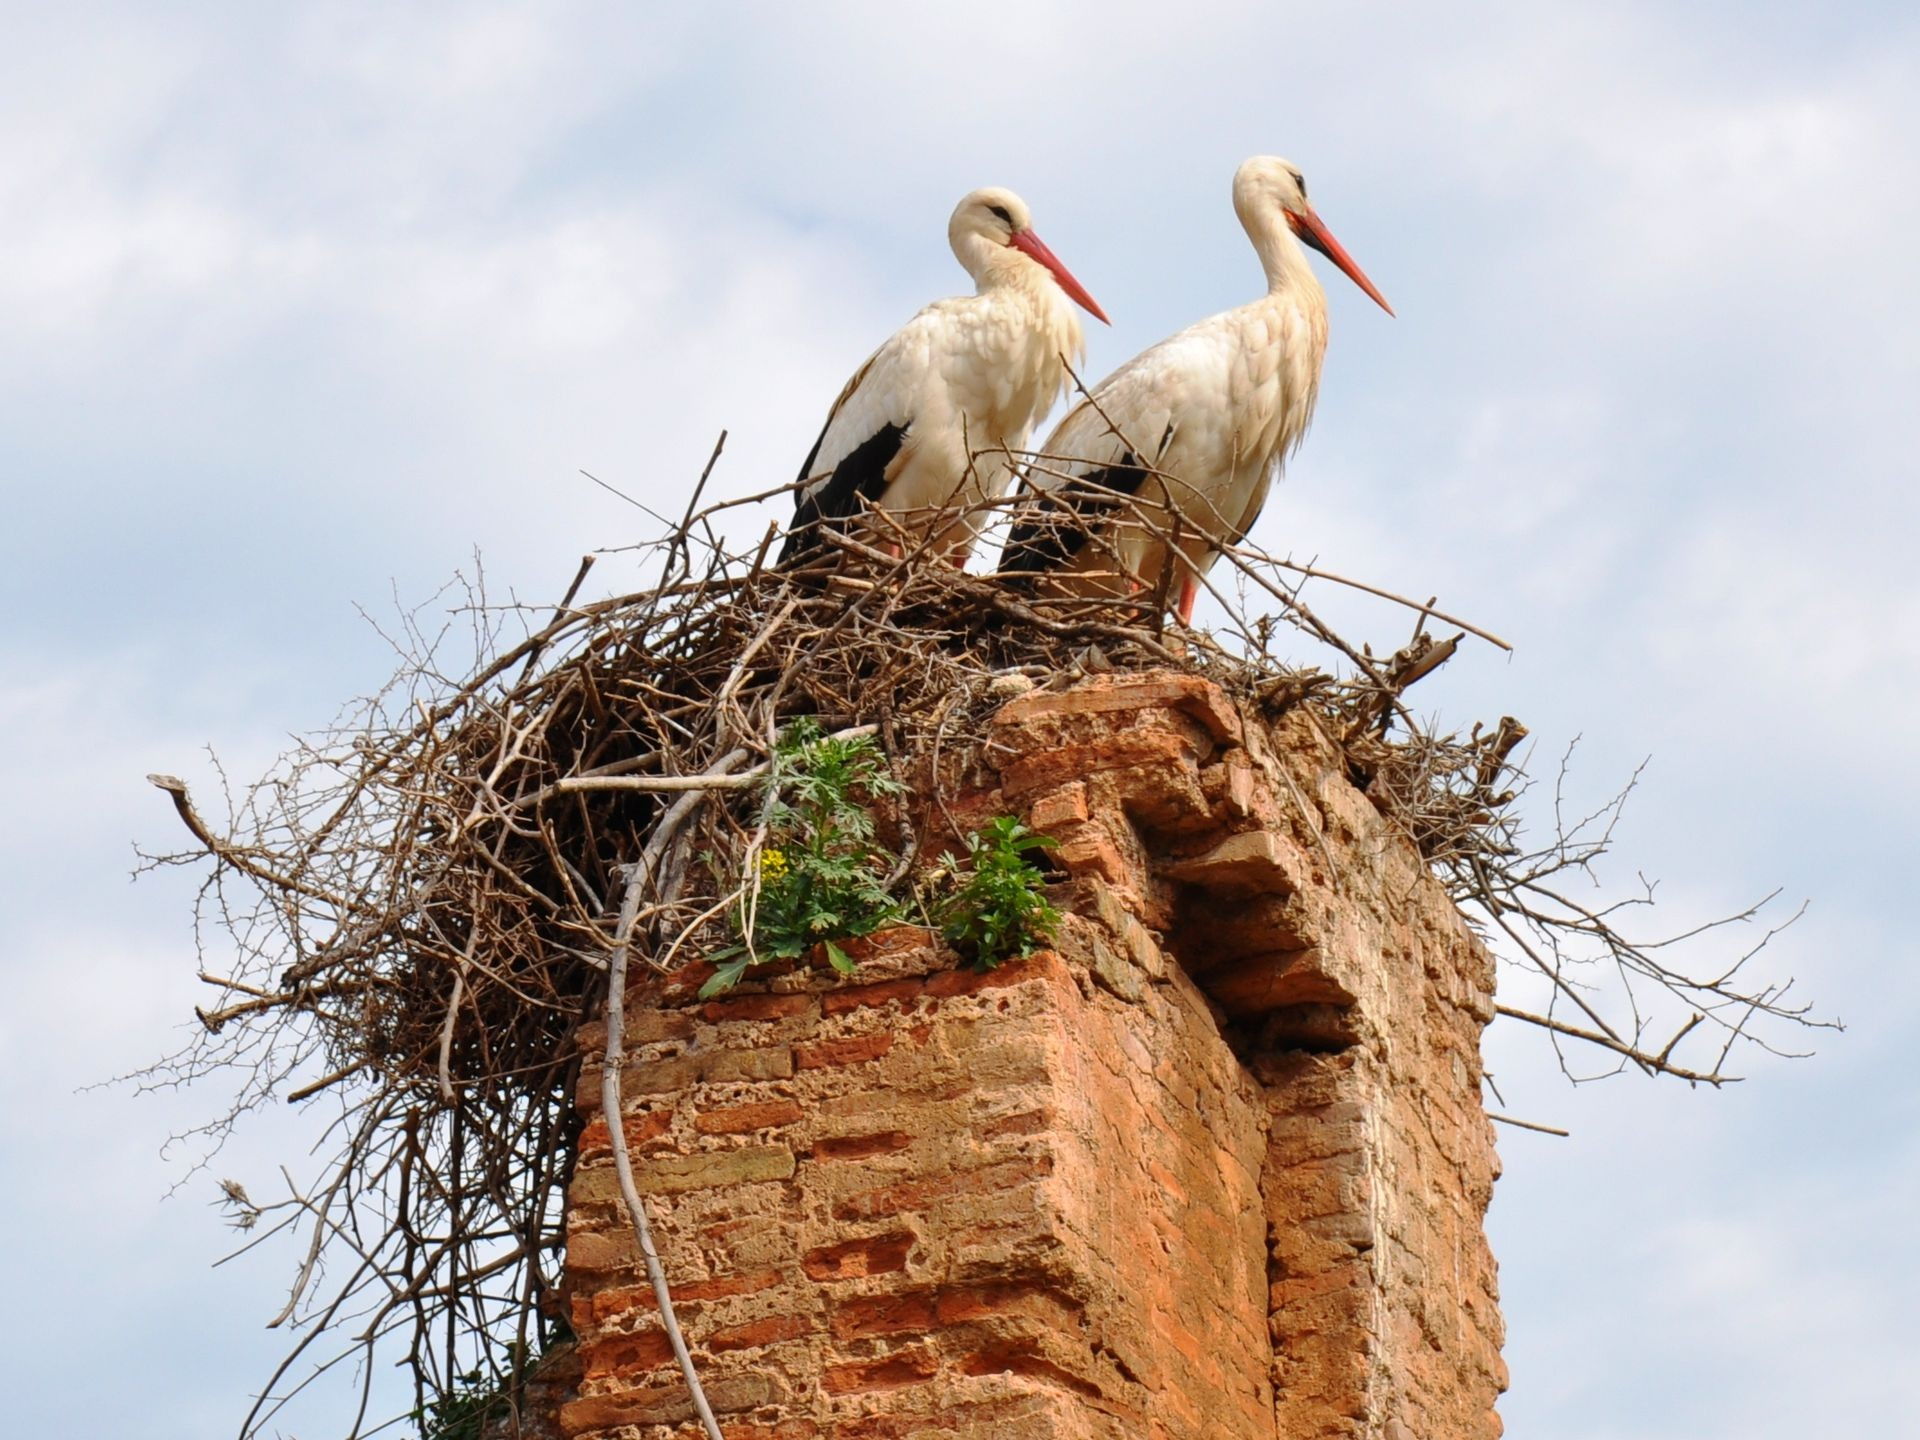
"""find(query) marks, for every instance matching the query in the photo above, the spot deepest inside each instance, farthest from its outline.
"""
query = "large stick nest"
(418, 906)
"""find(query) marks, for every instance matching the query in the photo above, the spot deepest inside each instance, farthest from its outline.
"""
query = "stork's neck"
(1009, 276)
(1281, 254)
(1001, 267)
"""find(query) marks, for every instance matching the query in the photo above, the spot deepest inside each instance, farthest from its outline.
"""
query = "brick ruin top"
(1215, 1165)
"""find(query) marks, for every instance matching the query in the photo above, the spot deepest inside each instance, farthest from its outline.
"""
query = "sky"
(302, 308)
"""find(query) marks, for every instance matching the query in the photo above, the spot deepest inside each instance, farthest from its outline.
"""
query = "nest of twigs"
(422, 904)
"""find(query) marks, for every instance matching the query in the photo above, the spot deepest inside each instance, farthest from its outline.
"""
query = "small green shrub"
(480, 1396)
(822, 877)
(996, 907)
(462, 1414)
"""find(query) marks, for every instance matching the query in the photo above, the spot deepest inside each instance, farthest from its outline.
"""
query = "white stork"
(926, 429)
(1186, 437)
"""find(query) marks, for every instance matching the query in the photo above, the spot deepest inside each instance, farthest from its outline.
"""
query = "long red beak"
(1031, 244)
(1310, 229)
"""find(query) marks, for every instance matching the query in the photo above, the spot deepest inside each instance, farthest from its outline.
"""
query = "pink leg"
(1189, 596)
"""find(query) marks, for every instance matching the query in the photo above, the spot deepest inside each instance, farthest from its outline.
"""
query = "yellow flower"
(773, 864)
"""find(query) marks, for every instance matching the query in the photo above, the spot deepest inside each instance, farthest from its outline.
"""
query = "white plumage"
(1185, 439)
(927, 428)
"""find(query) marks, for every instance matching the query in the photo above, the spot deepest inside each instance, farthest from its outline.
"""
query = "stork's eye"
(1301, 181)
(1002, 212)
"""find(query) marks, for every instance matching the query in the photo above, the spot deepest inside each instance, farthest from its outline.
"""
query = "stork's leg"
(958, 555)
(1189, 596)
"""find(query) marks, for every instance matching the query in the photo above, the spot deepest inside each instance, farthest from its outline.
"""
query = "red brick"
(1021, 1362)
(675, 1074)
(884, 1314)
(1027, 1122)
(1093, 853)
(641, 1130)
(667, 1402)
(860, 1147)
(1143, 750)
(851, 1050)
(610, 1303)
(990, 1417)
(722, 1285)
(644, 1026)
(892, 942)
(1060, 808)
(739, 1119)
(1130, 696)
(626, 1355)
(675, 1174)
(915, 1195)
(1299, 1289)
(781, 1430)
(962, 1304)
(870, 1255)
(971, 982)
(890, 1372)
(880, 992)
(757, 1007)
(755, 1333)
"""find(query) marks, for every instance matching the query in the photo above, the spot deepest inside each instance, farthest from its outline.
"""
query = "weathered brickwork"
(1215, 1166)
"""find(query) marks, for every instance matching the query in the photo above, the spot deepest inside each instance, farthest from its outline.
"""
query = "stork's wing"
(1064, 500)
(860, 446)
(1256, 502)
(1093, 461)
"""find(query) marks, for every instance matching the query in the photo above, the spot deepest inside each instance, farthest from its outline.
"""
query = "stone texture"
(1214, 1167)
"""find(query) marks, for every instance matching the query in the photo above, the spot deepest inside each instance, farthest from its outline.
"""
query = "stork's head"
(1265, 186)
(992, 226)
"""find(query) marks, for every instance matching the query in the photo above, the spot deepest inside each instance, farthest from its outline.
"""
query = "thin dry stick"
(647, 784)
(1620, 1047)
(1528, 1125)
(446, 1035)
(1260, 557)
(680, 784)
(612, 1109)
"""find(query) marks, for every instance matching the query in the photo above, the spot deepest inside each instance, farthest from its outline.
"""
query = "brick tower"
(1212, 1168)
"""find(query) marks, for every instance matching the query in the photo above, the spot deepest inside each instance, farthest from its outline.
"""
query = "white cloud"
(1746, 1285)
(100, 979)
(292, 302)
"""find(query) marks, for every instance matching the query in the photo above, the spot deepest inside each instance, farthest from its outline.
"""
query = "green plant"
(997, 907)
(462, 1413)
(481, 1395)
(820, 876)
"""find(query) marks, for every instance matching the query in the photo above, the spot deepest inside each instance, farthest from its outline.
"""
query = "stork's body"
(1171, 458)
(927, 428)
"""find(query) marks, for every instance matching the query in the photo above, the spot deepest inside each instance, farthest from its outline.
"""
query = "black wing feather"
(1064, 519)
(861, 476)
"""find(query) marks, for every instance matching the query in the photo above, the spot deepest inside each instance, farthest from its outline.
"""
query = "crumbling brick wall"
(1213, 1166)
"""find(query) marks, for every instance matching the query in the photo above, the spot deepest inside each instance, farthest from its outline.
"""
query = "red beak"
(1031, 244)
(1310, 229)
